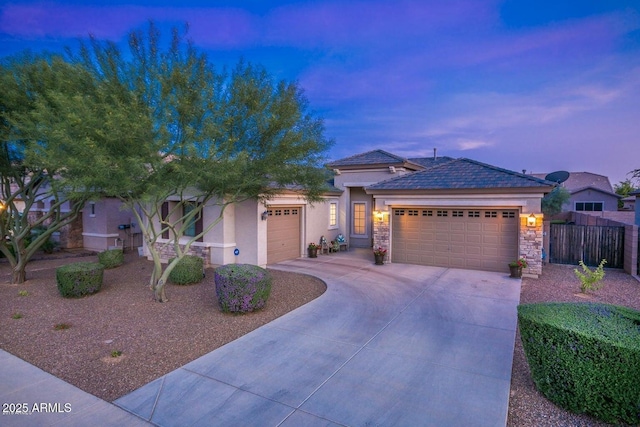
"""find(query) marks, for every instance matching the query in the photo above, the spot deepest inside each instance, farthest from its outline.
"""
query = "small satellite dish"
(558, 176)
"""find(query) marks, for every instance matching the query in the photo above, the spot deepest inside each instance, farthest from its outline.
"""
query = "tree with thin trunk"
(192, 136)
(31, 198)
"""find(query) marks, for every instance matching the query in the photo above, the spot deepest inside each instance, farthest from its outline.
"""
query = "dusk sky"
(535, 85)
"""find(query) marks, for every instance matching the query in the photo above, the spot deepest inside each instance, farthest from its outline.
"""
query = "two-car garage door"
(479, 239)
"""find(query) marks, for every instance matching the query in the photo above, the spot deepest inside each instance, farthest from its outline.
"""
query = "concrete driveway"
(385, 345)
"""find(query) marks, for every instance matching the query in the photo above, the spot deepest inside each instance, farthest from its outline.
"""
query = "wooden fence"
(569, 243)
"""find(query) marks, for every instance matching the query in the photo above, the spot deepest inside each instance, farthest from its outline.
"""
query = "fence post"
(631, 249)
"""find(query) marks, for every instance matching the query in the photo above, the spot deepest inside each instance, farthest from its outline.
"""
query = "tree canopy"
(157, 122)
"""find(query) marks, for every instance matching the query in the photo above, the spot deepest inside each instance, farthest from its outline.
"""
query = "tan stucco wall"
(100, 231)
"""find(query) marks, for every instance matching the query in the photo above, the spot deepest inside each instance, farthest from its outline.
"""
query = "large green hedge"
(79, 279)
(585, 357)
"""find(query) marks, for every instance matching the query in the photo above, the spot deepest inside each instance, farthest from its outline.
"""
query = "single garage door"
(283, 233)
(478, 239)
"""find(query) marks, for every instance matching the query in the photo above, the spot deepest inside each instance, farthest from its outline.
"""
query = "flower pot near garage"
(312, 251)
(379, 254)
(515, 271)
(515, 267)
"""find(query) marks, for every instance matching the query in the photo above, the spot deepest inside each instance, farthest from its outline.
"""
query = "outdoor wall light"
(264, 215)
(379, 215)
(531, 220)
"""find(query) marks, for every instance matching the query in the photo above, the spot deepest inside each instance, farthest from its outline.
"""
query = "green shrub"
(585, 357)
(80, 278)
(190, 269)
(111, 258)
(242, 287)
(590, 280)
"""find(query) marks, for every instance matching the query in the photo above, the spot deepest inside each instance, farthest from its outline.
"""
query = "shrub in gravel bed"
(111, 258)
(189, 270)
(242, 287)
(79, 279)
(585, 357)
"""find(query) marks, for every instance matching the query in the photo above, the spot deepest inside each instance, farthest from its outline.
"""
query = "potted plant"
(312, 250)
(379, 254)
(515, 267)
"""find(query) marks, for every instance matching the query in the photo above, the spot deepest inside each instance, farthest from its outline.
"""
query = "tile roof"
(374, 157)
(428, 162)
(461, 174)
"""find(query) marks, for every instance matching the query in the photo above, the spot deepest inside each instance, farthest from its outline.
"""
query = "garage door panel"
(474, 238)
(484, 239)
(283, 233)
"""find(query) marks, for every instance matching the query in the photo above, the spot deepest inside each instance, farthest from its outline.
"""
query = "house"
(105, 224)
(441, 211)
(589, 192)
(434, 211)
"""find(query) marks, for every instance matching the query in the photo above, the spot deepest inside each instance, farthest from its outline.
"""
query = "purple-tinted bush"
(242, 287)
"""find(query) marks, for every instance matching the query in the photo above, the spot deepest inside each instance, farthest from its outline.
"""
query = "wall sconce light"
(264, 215)
(531, 220)
(379, 215)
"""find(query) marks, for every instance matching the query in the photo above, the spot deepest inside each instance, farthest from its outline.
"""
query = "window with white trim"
(589, 206)
(359, 219)
(333, 214)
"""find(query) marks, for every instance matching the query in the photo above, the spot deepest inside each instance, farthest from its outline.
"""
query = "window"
(412, 212)
(442, 213)
(427, 213)
(473, 214)
(333, 214)
(508, 214)
(190, 227)
(360, 219)
(92, 209)
(193, 227)
(398, 212)
(457, 214)
(491, 214)
(590, 206)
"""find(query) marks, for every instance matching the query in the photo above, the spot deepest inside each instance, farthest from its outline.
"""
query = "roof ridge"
(510, 172)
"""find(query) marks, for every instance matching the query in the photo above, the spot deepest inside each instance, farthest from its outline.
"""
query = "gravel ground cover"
(74, 339)
(157, 338)
(527, 407)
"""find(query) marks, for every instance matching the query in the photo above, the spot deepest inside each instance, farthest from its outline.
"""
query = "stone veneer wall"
(381, 232)
(167, 252)
(530, 244)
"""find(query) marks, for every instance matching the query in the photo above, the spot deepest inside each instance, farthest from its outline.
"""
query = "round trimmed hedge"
(79, 279)
(111, 258)
(585, 357)
(189, 270)
(242, 288)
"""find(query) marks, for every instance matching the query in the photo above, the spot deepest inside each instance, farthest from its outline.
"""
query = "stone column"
(530, 245)
(381, 232)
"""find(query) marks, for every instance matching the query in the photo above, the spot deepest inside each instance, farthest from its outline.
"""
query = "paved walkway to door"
(386, 345)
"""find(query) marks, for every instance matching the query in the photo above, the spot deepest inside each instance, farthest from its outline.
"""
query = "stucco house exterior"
(590, 192)
(434, 211)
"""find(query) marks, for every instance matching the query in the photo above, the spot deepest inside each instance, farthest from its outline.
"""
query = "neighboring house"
(432, 211)
(590, 192)
(629, 203)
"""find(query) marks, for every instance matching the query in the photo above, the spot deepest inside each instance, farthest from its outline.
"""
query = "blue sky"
(535, 85)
